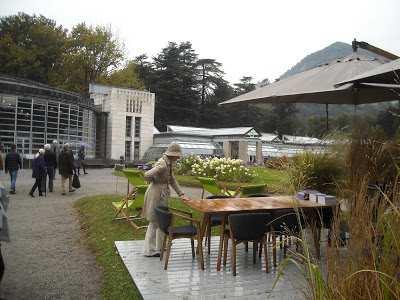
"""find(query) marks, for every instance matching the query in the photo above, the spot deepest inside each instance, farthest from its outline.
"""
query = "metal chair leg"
(274, 248)
(265, 244)
(192, 244)
(169, 244)
(255, 247)
(163, 247)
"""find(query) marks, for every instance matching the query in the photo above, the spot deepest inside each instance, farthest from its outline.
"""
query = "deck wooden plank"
(184, 280)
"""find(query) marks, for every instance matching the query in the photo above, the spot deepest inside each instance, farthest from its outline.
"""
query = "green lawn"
(96, 214)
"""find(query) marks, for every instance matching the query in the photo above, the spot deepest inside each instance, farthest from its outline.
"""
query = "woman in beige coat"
(160, 178)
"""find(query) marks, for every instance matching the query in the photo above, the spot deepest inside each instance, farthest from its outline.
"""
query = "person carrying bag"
(76, 182)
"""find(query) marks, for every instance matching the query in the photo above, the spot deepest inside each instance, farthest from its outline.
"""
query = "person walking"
(4, 233)
(1, 159)
(51, 164)
(157, 194)
(56, 149)
(38, 172)
(81, 160)
(66, 168)
(12, 164)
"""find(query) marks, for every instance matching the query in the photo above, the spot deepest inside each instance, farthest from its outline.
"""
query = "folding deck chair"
(210, 185)
(133, 200)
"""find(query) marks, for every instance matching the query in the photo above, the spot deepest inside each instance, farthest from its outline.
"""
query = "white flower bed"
(223, 169)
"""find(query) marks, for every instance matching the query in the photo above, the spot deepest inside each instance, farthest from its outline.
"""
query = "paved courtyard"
(46, 258)
(184, 280)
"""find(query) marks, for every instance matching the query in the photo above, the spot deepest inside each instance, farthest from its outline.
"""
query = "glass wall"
(32, 122)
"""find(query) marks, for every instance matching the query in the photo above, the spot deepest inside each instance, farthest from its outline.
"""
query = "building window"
(128, 146)
(137, 126)
(136, 153)
(234, 149)
(128, 130)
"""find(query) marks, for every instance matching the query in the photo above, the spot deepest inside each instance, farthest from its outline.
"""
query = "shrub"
(223, 169)
(319, 171)
(277, 163)
(184, 165)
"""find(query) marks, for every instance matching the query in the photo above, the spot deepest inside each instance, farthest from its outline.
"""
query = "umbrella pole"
(327, 117)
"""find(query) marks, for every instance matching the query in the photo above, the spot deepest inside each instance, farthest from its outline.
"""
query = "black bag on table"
(75, 182)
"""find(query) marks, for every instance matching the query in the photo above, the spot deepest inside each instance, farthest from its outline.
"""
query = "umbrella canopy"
(317, 85)
(388, 73)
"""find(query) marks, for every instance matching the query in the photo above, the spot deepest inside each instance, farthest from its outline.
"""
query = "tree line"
(188, 87)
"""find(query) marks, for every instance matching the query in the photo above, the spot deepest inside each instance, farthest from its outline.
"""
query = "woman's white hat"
(174, 150)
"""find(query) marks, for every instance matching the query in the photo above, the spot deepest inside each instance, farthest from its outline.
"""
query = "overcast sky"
(261, 39)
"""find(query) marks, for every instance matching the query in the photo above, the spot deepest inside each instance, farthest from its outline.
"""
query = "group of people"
(44, 166)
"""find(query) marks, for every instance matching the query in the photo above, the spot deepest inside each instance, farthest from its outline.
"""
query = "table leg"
(204, 222)
(317, 240)
(221, 242)
(316, 234)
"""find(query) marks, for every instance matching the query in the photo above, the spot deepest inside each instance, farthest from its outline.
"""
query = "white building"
(245, 143)
(124, 123)
(228, 142)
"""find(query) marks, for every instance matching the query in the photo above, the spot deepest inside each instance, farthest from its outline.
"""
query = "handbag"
(75, 182)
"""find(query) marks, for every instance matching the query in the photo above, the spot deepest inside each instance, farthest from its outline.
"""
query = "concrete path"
(46, 258)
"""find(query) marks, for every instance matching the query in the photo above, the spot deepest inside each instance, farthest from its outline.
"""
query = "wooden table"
(227, 206)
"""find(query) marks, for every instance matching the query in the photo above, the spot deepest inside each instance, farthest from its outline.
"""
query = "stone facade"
(130, 120)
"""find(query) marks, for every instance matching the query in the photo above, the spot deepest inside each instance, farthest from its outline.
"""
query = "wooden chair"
(215, 220)
(133, 200)
(285, 224)
(166, 218)
(249, 227)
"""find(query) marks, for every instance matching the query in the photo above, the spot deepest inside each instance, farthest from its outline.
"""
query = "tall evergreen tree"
(210, 76)
(174, 81)
(245, 85)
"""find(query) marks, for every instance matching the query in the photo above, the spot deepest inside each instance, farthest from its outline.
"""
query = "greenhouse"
(34, 114)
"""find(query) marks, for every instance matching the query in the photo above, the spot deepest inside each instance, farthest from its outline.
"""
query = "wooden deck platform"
(184, 280)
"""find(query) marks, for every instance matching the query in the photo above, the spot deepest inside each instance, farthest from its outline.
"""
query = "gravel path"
(46, 258)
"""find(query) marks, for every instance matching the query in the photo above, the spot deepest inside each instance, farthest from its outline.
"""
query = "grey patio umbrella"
(384, 75)
(317, 85)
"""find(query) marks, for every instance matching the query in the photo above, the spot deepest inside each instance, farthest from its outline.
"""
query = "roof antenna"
(354, 45)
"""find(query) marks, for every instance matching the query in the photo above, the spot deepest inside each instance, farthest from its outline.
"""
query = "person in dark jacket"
(1, 159)
(66, 168)
(50, 159)
(81, 160)
(12, 164)
(38, 172)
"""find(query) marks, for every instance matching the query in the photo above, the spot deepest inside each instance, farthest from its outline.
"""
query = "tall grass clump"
(318, 171)
(365, 177)
(369, 268)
